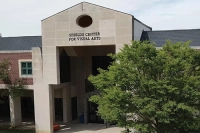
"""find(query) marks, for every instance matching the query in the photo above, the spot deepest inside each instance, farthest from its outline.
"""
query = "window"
(26, 68)
(84, 21)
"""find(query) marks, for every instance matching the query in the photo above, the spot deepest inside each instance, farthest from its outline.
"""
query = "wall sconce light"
(9, 68)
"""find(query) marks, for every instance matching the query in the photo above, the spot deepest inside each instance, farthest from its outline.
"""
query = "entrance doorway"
(97, 62)
(92, 111)
(58, 109)
(74, 108)
(4, 107)
(27, 108)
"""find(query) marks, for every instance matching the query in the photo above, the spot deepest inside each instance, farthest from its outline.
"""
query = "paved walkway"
(73, 127)
(89, 128)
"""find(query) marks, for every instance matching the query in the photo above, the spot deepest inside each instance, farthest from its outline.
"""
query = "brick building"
(74, 43)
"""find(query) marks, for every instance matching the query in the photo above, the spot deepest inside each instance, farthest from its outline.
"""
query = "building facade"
(74, 43)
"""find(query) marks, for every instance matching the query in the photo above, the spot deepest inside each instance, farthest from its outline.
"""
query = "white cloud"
(23, 17)
(179, 14)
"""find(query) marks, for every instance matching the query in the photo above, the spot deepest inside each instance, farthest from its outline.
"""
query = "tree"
(13, 88)
(151, 89)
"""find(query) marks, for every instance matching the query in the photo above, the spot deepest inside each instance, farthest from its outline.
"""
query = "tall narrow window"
(65, 75)
(26, 68)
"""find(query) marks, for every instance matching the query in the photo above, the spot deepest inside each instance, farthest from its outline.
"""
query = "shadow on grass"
(7, 129)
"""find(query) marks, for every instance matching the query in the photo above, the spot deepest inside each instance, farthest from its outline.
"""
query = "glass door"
(93, 117)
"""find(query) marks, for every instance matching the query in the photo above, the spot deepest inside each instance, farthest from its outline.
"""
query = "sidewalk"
(89, 128)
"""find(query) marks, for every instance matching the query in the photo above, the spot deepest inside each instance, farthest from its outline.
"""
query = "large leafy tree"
(151, 89)
(13, 88)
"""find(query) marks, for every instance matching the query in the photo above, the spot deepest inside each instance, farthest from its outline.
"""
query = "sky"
(23, 17)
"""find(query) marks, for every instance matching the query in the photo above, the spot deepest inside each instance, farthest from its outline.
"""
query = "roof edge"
(171, 30)
(15, 51)
(109, 8)
(88, 3)
(142, 23)
(61, 11)
(20, 36)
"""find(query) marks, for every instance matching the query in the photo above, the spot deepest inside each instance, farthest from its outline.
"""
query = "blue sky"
(23, 17)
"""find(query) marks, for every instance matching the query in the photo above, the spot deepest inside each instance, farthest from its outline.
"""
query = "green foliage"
(150, 89)
(4, 70)
(13, 88)
(16, 89)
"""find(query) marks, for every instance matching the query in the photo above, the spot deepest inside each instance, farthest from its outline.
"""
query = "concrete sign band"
(84, 21)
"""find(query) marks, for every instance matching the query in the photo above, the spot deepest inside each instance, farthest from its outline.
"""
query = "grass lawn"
(15, 130)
